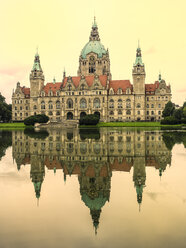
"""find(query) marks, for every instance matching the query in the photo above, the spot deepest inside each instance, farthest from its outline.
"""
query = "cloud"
(9, 76)
(150, 50)
(181, 90)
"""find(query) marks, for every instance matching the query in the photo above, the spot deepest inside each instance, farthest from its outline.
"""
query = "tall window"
(111, 103)
(69, 103)
(83, 103)
(96, 103)
(57, 104)
(128, 103)
(50, 105)
(120, 103)
(92, 64)
(42, 105)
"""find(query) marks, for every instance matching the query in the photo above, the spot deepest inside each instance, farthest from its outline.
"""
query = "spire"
(64, 73)
(94, 35)
(54, 80)
(36, 66)
(138, 56)
(94, 23)
(95, 214)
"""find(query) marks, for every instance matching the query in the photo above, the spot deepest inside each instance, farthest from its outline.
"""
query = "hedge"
(31, 120)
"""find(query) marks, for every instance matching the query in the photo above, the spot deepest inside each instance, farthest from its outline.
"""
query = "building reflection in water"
(92, 156)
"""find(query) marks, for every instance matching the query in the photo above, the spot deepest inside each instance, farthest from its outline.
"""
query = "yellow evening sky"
(61, 28)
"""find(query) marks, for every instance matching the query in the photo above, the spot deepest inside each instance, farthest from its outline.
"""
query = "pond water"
(107, 187)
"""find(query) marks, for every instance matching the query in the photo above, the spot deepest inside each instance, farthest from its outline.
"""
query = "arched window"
(152, 105)
(128, 112)
(83, 103)
(138, 105)
(50, 105)
(50, 113)
(111, 103)
(42, 105)
(92, 63)
(120, 112)
(83, 148)
(82, 87)
(50, 93)
(57, 104)
(69, 87)
(69, 103)
(119, 91)
(97, 148)
(111, 91)
(147, 105)
(96, 103)
(57, 113)
(120, 103)
(96, 86)
(128, 103)
(111, 113)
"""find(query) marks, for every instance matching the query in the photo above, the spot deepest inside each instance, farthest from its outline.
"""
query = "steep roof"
(26, 91)
(88, 79)
(120, 84)
(51, 87)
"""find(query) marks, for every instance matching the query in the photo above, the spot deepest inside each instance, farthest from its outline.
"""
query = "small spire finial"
(160, 76)
(37, 51)
(138, 43)
(54, 80)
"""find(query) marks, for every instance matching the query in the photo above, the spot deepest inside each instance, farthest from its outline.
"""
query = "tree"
(168, 110)
(5, 110)
(178, 113)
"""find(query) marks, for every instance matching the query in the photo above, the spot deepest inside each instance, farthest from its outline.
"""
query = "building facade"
(92, 90)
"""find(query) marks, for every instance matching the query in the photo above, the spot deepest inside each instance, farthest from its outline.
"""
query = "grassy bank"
(129, 124)
(19, 125)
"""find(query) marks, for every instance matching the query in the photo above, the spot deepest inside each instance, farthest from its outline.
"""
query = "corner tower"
(94, 58)
(36, 77)
(138, 74)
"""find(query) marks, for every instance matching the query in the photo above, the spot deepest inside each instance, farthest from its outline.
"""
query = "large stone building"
(92, 91)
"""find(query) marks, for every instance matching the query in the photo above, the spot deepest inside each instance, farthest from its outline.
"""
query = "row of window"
(70, 104)
(159, 97)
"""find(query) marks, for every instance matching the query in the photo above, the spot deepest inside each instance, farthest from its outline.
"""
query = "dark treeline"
(5, 142)
(5, 110)
(174, 116)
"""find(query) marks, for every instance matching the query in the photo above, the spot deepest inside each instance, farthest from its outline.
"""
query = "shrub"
(183, 120)
(31, 120)
(170, 120)
(89, 120)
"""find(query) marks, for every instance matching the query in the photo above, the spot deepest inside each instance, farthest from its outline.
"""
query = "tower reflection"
(92, 155)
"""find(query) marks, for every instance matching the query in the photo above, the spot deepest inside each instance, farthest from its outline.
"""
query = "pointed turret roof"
(37, 65)
(138, 56)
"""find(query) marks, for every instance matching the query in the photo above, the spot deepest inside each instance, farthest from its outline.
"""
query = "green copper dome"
(96, 203)
(95, 47)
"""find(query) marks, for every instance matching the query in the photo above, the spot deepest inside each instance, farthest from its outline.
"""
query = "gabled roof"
(122, 84)
(51, 87)
(89, 80)
(152, 87)
(26, 91)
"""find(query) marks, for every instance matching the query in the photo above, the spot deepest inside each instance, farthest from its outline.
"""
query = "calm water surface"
(92, 188)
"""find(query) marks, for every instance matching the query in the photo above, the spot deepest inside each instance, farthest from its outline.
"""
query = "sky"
(61, 28)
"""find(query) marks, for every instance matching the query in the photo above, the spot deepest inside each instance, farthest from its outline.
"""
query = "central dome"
(95, 47)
